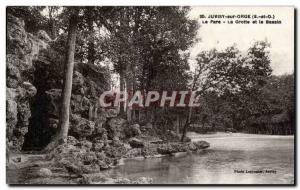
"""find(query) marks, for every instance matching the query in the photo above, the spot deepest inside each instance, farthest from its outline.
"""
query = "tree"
(52, 16)
(62, 133)
(164, 37)
(200, 81)
(273, 107)
(236, 79)
(148, 48)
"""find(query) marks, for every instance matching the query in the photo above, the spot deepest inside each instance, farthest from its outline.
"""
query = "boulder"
(103, 161)
(180, 147)
(85, 144)
(150, 150)
(115, 127)
(72, 167)
(45, 172)
(192, 146)
(65, 151)
(75, 159)
(133, 130)
(201, 144)
(72, 140)
(115, 151)
(29, 89)
(98, 146)
(136, 143)
(89, 158)
(91, 168)
(81, 126)
(133, 152)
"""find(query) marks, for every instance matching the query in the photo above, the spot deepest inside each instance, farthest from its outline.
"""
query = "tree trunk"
(62, 133)
(53, 29)
(130, 94)
(177, 124)
(91, 54)
(133, 114)
(139, 116)
(67, 84)
(91, 46)
(122, 90)
(188, 121)
(52, 23)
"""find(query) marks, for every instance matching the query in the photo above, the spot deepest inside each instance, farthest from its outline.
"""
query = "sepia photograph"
(150, 95)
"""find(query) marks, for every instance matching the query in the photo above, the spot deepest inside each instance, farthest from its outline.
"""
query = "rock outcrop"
(22, 49)
(34, 83)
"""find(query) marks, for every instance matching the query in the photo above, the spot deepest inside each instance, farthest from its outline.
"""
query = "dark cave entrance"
(39, 133)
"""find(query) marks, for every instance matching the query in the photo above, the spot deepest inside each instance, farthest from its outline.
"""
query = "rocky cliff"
(22, 49)
(34, 73)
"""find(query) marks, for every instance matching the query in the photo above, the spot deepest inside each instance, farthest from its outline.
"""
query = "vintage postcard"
(150, 95)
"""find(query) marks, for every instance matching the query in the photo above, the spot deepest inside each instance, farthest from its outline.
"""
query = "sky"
(220, 36)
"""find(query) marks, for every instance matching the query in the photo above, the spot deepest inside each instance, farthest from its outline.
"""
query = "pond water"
(269, 159)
